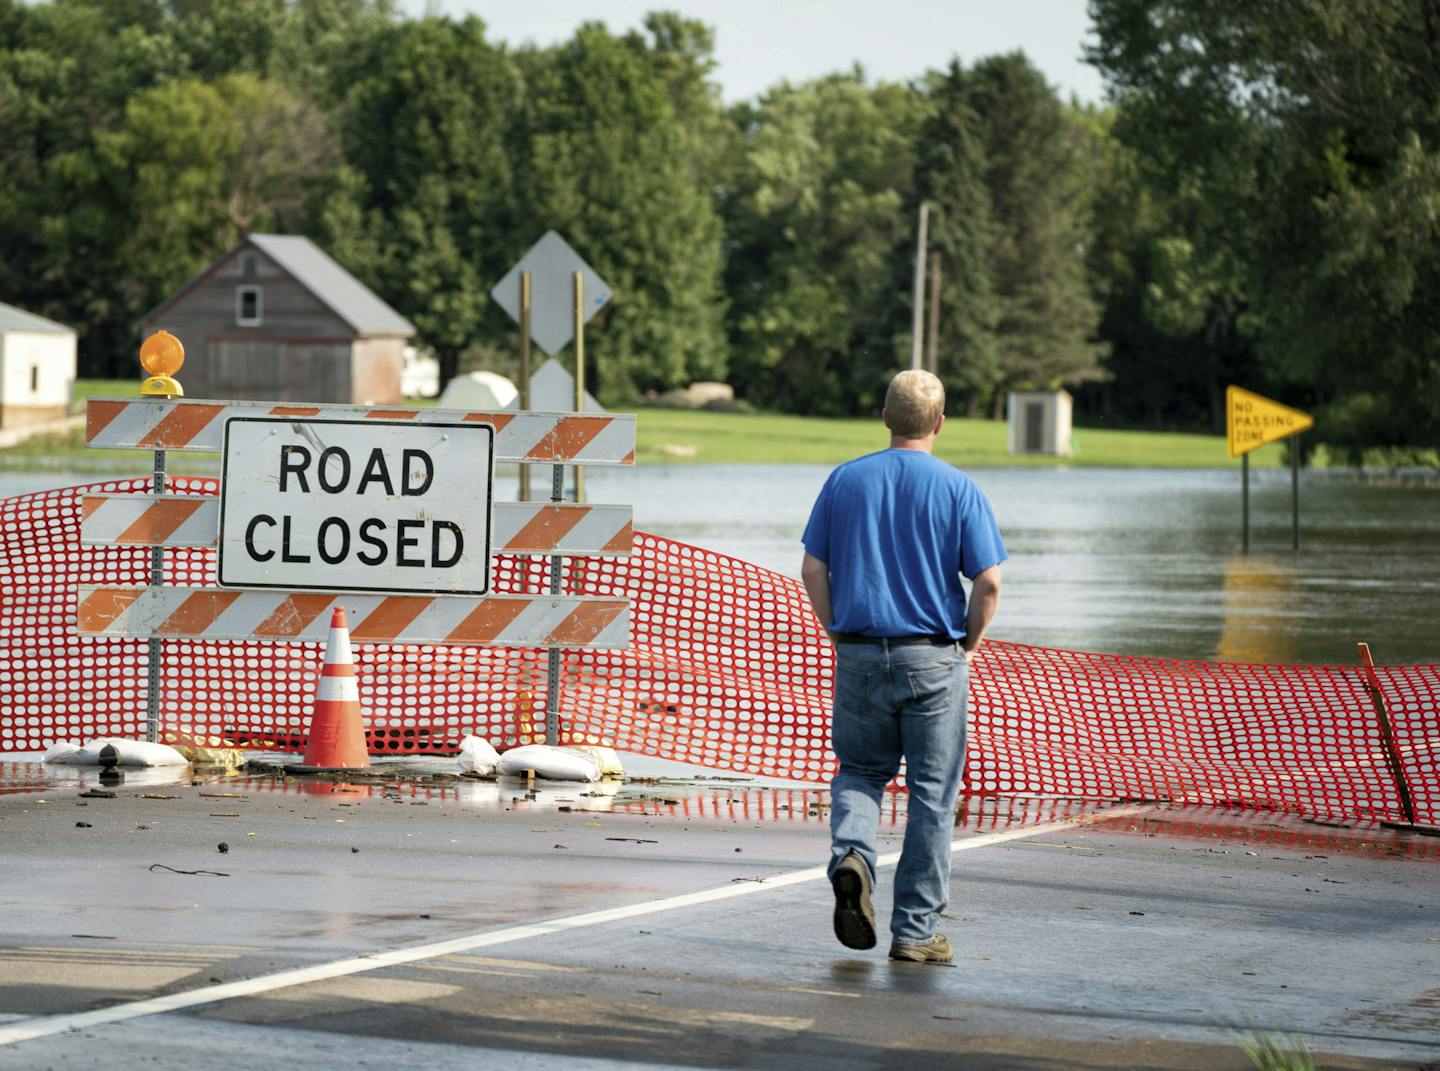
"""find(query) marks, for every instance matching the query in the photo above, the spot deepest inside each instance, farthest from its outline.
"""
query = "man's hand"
(815, 575)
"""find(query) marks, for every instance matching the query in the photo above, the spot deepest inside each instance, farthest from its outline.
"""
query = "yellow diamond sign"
(1251, 421)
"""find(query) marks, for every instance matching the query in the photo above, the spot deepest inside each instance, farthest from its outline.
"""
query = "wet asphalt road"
(1124, 943)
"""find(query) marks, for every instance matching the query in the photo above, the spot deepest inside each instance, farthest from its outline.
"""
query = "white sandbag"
(128, 753)
(550, 763)
(607, 758)
(57, 752)
(477, 756)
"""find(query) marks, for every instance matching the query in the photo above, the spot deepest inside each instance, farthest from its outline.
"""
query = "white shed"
(37, 368)
(1040, 422)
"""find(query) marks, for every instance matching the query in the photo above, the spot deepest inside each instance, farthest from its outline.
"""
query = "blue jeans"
(892, 702)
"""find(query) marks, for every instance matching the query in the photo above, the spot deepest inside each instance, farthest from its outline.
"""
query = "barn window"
(248, 306)
(34, 378)
(249, 264)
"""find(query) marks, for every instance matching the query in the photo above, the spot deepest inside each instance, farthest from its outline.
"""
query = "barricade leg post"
(156, 652)
(552, 692)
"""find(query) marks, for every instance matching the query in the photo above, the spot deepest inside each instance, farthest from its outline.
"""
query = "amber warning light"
(161, 355)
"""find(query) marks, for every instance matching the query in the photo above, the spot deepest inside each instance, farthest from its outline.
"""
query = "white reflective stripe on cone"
(337, 650)
(338, 689)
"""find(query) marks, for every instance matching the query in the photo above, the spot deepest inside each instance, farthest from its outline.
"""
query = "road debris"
(173, 870)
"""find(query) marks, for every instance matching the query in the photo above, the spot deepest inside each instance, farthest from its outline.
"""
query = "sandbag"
(477, 756)
(550, 763)
(58, 752)
(128, 753)
(606, 756)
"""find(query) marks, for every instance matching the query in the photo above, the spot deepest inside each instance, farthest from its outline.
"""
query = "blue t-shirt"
(897, 529)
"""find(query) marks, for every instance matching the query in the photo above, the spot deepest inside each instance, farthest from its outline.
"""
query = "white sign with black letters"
(356, 505)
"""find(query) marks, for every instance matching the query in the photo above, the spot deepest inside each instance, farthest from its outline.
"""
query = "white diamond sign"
(552, 265)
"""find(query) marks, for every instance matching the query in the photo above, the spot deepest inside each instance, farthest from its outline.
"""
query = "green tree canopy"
(1310, 133)
(1035, 168)
(951, 177)
(821, 242)
(623, 135)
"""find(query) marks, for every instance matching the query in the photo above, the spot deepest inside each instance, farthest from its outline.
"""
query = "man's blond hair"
(914, 401)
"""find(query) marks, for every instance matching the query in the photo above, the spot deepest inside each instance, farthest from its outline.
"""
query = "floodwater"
(1139, 562)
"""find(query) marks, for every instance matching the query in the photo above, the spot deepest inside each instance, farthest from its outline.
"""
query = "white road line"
(46, 1026)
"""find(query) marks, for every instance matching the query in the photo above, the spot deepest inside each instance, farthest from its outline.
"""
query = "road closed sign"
(356, 505)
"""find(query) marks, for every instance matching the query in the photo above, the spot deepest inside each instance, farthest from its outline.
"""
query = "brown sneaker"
(935, 950)
(854, 916)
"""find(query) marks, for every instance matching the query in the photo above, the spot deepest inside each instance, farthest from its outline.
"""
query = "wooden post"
(1387, 733)
(525, 300)
(579, 371)
(932, 342)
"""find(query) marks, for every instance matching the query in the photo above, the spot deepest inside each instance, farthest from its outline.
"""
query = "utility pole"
(917, 324)
(932, 341)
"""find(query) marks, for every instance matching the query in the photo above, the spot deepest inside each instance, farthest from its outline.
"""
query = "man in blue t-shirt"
(888, 540)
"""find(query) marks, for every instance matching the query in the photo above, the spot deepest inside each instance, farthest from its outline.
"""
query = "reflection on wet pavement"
(746, 799)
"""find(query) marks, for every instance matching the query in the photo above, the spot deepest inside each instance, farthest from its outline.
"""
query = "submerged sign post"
(356, 505)
(1252, 421)
(552, 293)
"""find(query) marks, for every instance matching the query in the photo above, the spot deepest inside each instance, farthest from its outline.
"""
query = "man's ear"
(939, 424)
(885, 417)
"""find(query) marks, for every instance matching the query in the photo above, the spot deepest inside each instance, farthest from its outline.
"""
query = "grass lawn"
(668, 435)
(682, 436)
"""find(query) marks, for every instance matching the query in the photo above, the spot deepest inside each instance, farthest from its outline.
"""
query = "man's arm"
(815, 574)
(984, 598)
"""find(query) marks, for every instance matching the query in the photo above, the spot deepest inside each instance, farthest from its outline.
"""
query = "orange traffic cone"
(337, 732)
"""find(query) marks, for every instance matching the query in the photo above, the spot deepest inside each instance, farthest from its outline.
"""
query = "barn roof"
(347, 296)
(13, 319)
(312, 268)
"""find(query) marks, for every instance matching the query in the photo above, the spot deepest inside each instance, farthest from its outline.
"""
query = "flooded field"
(1140, 562)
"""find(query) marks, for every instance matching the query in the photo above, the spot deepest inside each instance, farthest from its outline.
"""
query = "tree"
(1311, 133)
(950, 172)
(1045, 316)
(194, 167)
(424, 212)
(1170, 310)
(621, 154)
(67, 70)
(820, 242)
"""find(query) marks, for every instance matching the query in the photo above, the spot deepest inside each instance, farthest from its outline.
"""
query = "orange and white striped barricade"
(318, 510)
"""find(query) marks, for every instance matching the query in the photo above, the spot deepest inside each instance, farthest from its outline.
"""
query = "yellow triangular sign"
(1252, 421)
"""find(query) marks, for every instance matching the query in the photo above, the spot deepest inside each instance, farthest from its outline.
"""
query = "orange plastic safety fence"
(727, 668)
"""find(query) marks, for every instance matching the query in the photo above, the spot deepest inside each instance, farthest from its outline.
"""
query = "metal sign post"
(1295, 491)
(156, 653)
(1245, 504)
